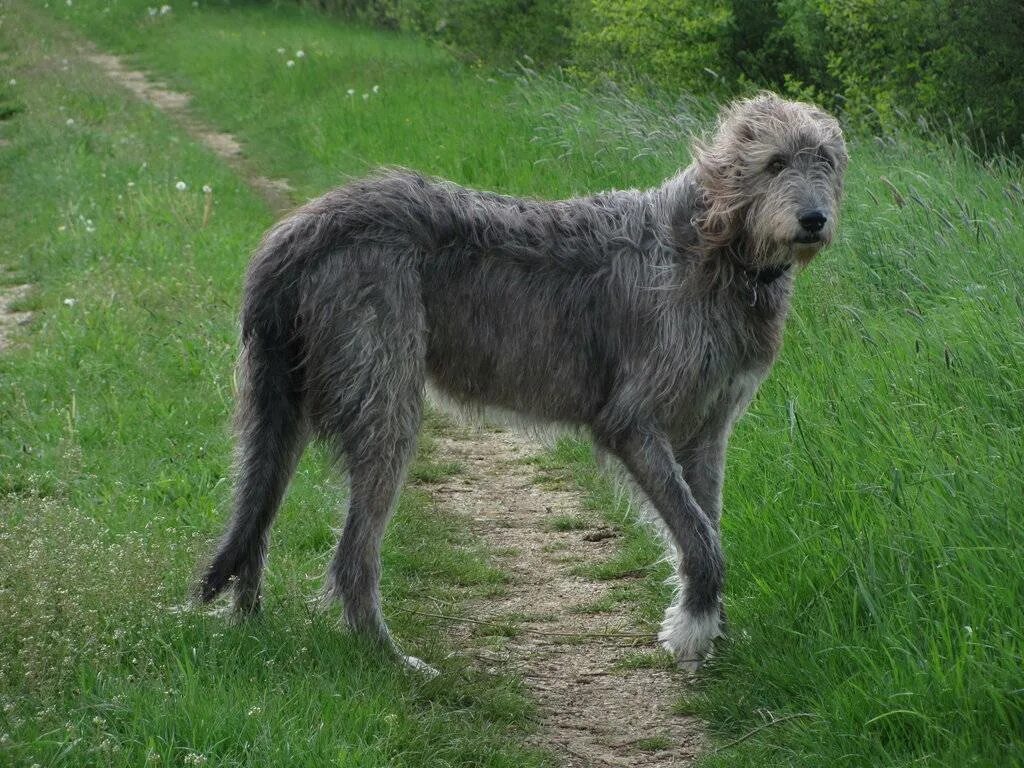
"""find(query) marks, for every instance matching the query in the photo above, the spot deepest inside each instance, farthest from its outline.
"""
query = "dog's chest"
(716, 401)
(735, 395)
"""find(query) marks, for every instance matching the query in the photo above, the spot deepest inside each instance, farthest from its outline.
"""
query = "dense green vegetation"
(882, 64)
(873, 505)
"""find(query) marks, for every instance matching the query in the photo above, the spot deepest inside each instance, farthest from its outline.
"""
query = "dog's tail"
(269, 417)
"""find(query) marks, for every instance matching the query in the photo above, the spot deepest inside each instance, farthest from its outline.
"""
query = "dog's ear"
(684, 203)
(719, 207)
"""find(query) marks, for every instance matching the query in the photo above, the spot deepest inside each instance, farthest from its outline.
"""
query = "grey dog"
(647, 317)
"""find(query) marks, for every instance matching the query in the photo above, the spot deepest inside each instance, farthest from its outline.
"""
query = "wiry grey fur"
(648, 317)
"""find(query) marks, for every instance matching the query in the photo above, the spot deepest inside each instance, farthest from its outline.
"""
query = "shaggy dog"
(647, 317)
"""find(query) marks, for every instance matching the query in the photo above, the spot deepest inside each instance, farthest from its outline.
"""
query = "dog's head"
(772, 179)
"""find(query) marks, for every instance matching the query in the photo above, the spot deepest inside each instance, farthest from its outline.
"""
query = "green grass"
(873, 521)
(114, 444)
(565, 523)
(429, 472)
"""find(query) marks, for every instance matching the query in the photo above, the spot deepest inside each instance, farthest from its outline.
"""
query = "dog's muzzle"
(811, 225)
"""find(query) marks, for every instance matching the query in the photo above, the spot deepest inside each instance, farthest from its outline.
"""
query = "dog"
(648, 318)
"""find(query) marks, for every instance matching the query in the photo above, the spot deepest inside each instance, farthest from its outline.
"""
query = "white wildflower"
(254, 711)
(152, 11)
(165, 9)
(300, 54)
(280, 50)
(71, 303)
(289, 63)
(351, 91)
(70, 121)
(366, 96)
(181, 186)
(207, 189)
(376, 89)
(12, 81)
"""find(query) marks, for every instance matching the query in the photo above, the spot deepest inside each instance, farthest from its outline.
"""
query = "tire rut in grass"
(276, 193)
(561, 631)
(11, 318)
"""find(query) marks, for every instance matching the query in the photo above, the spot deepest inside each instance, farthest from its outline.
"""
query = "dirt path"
(595, 712)
(277, 193)
(9, 317)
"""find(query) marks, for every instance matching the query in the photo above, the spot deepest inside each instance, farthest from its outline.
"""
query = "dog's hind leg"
(271, 433)
(369, 409)
(376, 468)
(693, 621)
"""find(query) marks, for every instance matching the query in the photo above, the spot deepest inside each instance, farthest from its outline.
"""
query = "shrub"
(874, 60)
(878, 61)
(677, 44)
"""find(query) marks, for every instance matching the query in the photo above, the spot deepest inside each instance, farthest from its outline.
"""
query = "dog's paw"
(689, 637)
(419, 667)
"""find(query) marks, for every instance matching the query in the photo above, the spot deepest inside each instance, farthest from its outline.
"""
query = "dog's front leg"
(692, 622)
(703, 463)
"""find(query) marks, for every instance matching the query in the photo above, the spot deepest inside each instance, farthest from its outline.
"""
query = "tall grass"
(873, 503)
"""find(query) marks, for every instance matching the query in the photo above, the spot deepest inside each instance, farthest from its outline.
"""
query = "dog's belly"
(526, 341)
(521, 374)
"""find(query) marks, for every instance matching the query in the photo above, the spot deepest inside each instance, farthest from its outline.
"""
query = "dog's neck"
(763, 287)
(765, 275)
(725, 267)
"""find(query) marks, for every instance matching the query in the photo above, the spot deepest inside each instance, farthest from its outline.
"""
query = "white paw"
(419, 666)
(689, 637)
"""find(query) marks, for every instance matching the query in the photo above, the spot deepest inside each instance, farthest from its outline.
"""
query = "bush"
(498, 31)
(875, 61)
(878, 61)
(677, 44)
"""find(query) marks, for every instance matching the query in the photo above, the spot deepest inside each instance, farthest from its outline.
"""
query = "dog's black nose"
(812, 221)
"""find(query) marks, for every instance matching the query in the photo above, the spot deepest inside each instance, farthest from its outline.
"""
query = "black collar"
(765, 275)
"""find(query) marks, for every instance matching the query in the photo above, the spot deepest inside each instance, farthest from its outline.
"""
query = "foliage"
(498, 31)
(675, 43)
(933, 59)
(876, 61)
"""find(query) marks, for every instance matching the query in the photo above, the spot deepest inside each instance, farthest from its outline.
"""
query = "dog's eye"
(826, 158)
(776, 166)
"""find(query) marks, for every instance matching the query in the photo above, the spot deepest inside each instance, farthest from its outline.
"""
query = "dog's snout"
(812, 221)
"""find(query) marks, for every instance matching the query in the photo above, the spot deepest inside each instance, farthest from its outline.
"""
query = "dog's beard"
(804, 253)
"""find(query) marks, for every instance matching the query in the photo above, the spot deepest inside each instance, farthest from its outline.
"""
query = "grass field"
(114, 449)
(873, 519)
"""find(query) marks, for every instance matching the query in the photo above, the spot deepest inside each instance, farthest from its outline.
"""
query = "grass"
(565, 523)
(113, 438)
(873, 504)
(430, 472)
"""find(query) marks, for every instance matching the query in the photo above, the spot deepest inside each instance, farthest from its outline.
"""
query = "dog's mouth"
(805, 246)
